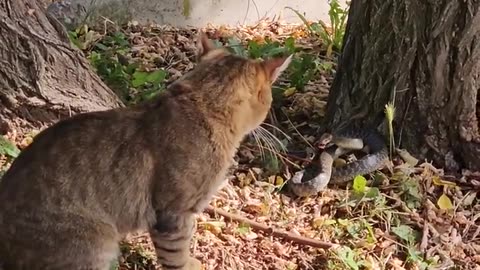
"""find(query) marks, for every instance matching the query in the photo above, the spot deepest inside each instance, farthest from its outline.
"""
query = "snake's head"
(324, 141)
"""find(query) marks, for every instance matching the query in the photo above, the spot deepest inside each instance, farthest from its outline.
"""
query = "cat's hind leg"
(72, 242)
(171, 237)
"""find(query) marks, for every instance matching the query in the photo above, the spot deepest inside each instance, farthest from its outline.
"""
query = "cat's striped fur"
(87, 181)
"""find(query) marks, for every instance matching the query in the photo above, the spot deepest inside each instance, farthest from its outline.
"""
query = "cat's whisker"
(278, 129)
(274, 138)
(265, 143)
(274, 141)
(258, 142)
(103, 203)
(269, 143)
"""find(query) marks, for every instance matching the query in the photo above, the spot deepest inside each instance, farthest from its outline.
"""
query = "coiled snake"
(320, 172)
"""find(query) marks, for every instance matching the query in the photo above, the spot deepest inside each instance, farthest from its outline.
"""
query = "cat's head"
(238, 87)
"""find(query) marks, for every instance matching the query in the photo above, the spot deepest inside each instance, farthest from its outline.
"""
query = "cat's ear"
(275, 66)
(204, 45)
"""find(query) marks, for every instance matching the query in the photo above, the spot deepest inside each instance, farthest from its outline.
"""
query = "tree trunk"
(424, 55)
(42, 77)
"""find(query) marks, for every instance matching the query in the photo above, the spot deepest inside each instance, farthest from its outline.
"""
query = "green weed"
(83, 37)
(410, 191)
(266, 49)
(333, 38)
(147, 84)
(271, 48)
(8, 148)
(390, 115)
(409, 237)
(303, 68)
(107, 55)
(349, 258)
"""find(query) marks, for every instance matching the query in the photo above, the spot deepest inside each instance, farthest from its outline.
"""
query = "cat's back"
(90, 158)
(76, 148)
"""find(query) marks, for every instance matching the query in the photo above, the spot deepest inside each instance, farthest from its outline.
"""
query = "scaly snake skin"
(320, 172)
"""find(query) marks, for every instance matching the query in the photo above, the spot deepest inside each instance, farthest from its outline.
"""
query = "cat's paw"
(194, 264)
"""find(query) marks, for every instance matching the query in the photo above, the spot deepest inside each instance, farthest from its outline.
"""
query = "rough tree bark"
(42, 77)
(424, 55)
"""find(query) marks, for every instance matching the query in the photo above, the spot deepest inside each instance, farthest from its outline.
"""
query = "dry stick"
(261, 227)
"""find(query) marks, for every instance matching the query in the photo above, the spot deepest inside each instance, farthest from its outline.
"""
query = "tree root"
(275, 232)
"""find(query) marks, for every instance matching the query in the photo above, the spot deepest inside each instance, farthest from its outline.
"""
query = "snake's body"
(317, 175)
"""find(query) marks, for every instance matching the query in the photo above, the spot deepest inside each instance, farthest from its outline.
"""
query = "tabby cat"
(87, 181)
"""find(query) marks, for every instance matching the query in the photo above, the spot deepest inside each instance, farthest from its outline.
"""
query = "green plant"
(410, 237)
(416, 257)
(302, 69)
(187, 8)
(108, 58)
(332, 37)
(134, 257)
(147, 84)
(83, 37)
(266, 49)
(114, 265)
(410, 191)
(235, 47)
(271, 48)
(7, 148)
(390, 115)
(349, 258)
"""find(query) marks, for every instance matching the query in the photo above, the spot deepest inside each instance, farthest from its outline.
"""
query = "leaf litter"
(417, 217)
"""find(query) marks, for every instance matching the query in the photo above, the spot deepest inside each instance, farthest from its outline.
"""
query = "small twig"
(275, 232)
(291, 156)
(296, 130)
(105, 21)
(424, 243)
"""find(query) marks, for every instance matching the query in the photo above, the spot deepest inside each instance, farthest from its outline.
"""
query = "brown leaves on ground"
(407, 219)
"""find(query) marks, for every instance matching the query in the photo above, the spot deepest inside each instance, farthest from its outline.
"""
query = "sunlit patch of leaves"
(362, 219)
(331, 36)
(367, 207)
(134, 257)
